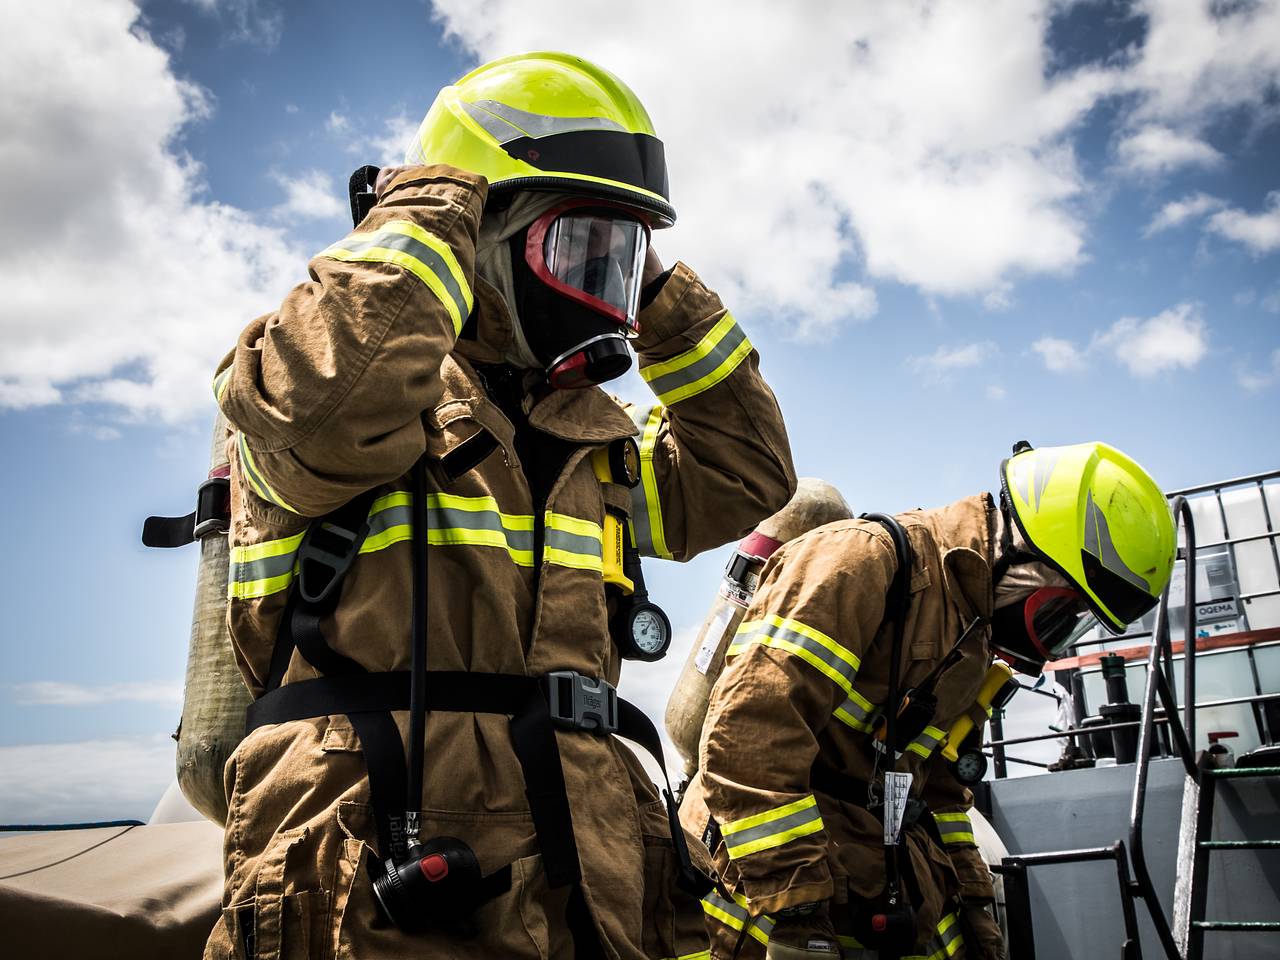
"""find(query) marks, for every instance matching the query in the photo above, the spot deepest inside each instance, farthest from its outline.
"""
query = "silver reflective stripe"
(765, 631)
(390, 240)
(263, 569)
(506, 123)
(391, 517)
(572, 543)
(771, 833)
(662, 386)
(927, 741)
(852, 710)
(1045, 462)
(945, 944)
(443, 519)
(1097, 541)
(737, 915)
(961, 831)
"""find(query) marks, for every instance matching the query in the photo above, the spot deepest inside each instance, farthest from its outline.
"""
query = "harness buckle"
(213, 507)
(326, 552)
(581, 703)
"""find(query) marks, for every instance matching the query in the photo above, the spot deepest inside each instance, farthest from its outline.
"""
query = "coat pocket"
(524, 923)
(673, 922)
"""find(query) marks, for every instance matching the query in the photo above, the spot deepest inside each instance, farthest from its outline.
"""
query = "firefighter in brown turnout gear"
(830, 798)
(437, 516)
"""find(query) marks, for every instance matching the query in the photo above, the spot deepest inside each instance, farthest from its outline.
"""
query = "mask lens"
(597, 258)
(1052, 616)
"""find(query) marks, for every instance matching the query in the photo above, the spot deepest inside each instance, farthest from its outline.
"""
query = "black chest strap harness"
(437, 882)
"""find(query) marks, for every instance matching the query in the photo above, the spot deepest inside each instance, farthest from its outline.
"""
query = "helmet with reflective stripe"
(549, 121)
(1099, 519)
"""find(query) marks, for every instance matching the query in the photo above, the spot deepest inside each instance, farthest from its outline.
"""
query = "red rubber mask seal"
(584, 248)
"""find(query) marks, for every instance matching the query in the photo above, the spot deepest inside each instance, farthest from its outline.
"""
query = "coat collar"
(964, 533)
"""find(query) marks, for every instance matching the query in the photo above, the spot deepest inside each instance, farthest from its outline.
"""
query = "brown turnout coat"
(806, 670)
(340, 391)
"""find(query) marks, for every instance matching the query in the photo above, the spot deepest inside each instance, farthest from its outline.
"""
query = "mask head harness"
(577, 271)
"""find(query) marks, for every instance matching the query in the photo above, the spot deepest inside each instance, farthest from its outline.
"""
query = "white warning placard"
(897, 790)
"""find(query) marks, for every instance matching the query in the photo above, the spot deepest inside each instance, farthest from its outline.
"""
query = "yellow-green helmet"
(1099, 519)
(549, 121)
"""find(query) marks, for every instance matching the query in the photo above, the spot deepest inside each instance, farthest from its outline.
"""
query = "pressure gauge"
(969, 767)
(643, 632)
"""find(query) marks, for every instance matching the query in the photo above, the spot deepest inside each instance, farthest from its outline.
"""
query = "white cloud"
(1256, 381)
(337, 123)
(134, 284)
(1177, 212)
(1200, 58)
(1157, 149)
(1260, 232)
(915, 140)
(86, 781)
(1271, 302)
(309, 195)
(290, 108)
(1174, 338)
(996, 392)
(1060, 356)
(57, 693)
(386, 146)
(947, 359)
(257, 22)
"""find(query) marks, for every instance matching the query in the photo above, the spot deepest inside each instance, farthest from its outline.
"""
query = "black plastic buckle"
(581, 703)
(213, 507)
(326, 552)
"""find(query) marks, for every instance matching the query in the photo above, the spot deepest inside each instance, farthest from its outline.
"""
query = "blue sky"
(1056, 221)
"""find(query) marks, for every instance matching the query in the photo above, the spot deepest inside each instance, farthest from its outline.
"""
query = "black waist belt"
(536, 706)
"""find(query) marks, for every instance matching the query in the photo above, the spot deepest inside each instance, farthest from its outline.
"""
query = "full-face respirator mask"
(577, 271)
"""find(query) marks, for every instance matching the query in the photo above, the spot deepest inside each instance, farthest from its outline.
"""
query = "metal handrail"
(1159, 672)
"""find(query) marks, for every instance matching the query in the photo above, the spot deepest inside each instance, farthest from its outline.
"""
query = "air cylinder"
(815, 503)
(214, 697)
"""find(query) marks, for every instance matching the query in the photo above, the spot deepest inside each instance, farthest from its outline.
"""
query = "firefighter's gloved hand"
(801, 934)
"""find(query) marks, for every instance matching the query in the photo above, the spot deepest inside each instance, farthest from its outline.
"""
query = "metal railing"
(1182, 733)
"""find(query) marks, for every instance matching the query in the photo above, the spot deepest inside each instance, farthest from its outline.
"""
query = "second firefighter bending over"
(789, 798)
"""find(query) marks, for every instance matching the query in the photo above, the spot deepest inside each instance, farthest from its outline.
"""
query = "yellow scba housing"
(998, 687)
(1099, 519)
(549, 121)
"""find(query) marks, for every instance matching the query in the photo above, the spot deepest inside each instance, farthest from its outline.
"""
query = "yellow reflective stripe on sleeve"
(928, 740)
(646, 509)
(571, 542)
(690, 373)
(735, 916)
(772, 828)
(700, 955)
(857, 712)
(812, 646)
(945, 943)
(256, 480)
(426, 256)
(955, 827)
(220, 383)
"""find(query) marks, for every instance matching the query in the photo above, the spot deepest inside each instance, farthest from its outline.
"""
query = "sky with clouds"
(946, 230)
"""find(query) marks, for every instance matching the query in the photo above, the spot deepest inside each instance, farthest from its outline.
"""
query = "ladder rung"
(1238, 772)
(1240, 844)
(1245, 926)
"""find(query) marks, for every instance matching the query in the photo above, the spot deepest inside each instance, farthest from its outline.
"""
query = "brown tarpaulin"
(132, 892)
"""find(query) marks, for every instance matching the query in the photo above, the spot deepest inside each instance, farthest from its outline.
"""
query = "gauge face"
(970, 767)
(649, 631)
